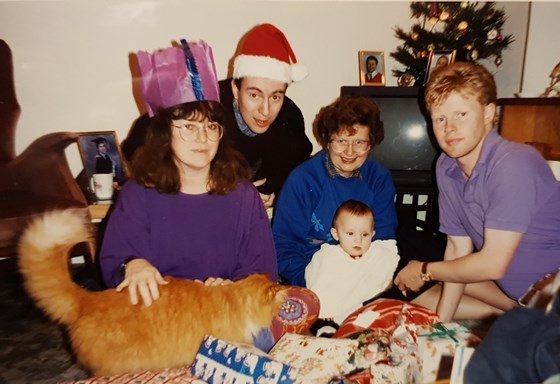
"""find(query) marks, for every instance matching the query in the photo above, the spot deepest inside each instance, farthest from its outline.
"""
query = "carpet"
(33, 349)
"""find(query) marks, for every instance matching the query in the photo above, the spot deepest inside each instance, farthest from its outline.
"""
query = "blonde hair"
(468, 79)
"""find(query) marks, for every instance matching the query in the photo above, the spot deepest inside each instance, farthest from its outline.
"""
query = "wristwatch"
(425, 275)
(122, 269)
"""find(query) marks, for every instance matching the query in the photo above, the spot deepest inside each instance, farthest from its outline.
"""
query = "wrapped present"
(437, 340)
(181, 375)
(218, 361)
(317, 359)
(462, 356)
(360, 377)
(373, 346)
(403, 370)
(384, 314)
(388, 357)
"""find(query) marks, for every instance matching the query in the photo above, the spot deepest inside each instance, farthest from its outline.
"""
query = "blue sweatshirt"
(307, 203)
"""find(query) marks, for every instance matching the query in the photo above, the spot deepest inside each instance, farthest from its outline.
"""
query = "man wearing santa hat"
(270, 128)
(267, 126)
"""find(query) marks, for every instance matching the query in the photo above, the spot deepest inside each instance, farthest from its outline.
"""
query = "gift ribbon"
(192, 70)
(442, 331)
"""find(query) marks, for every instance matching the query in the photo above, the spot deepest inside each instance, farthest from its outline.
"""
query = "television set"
(409, 149)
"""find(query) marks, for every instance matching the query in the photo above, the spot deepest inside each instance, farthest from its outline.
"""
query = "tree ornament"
(492, 34)
(431, 47)
(464, 4)
(414, 36)
(498, 61)
(406, 80)
(472, 55)
(444, 16)
(462, 26)
(468, 47)
(422, 54)
(433, 20)
(434, 10)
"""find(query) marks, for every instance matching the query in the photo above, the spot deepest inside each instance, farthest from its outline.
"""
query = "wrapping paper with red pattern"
(385, 314)
(169, 376)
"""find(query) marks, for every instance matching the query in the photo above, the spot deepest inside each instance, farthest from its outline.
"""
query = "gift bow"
(441, 330)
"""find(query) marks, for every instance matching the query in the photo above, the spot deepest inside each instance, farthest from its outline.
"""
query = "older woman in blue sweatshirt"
(347, 129)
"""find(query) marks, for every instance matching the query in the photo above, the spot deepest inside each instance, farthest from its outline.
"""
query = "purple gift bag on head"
(176, 75)
(204, 61)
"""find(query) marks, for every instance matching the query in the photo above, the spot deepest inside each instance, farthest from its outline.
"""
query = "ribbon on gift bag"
(176, 75)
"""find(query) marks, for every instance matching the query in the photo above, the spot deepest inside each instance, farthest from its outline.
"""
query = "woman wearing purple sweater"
(188, 210)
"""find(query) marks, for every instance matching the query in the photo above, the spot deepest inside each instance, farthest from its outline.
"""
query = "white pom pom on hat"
(267, 53)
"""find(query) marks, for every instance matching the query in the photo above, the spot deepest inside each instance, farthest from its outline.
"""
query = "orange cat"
(111, 336)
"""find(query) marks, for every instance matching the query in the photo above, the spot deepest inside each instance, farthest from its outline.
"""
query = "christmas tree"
(473, 30)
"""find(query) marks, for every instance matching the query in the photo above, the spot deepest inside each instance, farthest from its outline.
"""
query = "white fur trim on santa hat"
(269, 68)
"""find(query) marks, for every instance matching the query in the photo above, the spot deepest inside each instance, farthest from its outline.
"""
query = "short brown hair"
(343, 114)
(154, 165)
(468, 79)
(353, 207)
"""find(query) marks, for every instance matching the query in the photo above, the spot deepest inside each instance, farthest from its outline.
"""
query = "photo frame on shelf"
(372, 68)
(101, 153)
(438, 59)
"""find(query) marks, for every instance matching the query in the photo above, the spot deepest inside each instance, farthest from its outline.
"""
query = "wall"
(543, 49)
(72, 57)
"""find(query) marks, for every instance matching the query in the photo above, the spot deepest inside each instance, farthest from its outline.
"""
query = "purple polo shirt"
(189, 236)
(511, 188)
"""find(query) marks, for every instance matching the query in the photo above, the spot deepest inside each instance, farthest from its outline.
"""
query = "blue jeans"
(523, 346)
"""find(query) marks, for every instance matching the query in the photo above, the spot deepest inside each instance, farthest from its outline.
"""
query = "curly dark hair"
(345, 112)
(154, 165)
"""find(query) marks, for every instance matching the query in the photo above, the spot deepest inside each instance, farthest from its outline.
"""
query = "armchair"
(37, 180)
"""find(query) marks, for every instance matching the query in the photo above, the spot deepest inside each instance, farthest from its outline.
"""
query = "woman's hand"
(214, 281)
(409, 278)
(141, 277)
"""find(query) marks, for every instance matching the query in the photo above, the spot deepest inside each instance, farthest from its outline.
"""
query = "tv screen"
(409, 149)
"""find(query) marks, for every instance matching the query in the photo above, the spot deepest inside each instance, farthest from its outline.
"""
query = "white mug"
(102, 185)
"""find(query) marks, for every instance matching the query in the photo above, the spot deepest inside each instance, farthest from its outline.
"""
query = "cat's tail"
(44, 251)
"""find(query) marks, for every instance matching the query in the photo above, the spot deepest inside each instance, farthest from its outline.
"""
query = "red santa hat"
(267, 53)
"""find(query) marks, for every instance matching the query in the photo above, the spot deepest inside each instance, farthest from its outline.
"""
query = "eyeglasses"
(341, 145)
(189, 132)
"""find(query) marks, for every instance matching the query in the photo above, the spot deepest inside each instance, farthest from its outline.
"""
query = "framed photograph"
(372, 68)
(101, 154)
(438, 59)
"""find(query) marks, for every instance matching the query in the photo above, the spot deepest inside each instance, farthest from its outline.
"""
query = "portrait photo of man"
(372, 68)
(439, 59)
(100, 153)
(103, 162)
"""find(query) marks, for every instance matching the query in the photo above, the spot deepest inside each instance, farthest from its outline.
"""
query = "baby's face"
(354, 233)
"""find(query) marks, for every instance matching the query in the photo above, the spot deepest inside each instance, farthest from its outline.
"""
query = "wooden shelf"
(99, 211)
(535, 121)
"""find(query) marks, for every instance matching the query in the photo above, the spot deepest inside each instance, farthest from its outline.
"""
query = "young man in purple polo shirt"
(499, 204)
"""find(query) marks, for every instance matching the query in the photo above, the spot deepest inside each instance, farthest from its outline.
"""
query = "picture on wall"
(438, 59)
(372, 68)
(101, 153)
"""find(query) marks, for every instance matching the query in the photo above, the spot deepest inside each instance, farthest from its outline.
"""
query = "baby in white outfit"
(345, 275)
